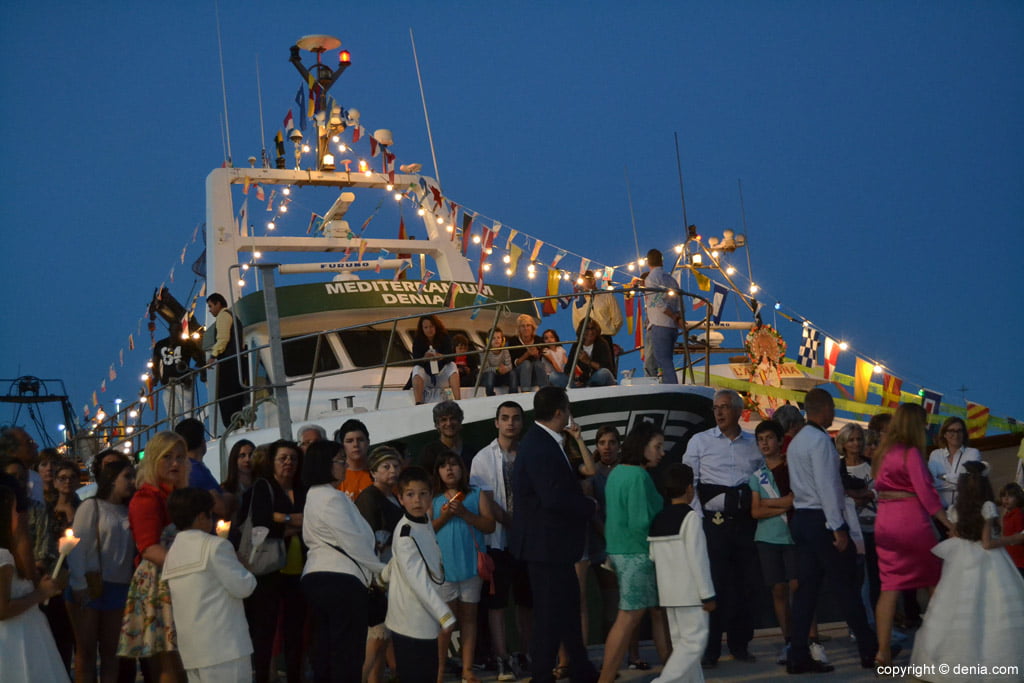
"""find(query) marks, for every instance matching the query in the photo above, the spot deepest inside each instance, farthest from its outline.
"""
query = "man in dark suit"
(548, 531)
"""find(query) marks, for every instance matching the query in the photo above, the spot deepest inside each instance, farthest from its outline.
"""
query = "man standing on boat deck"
(605, 312)
(663, 321)
(172, 357)
(230, 371)
(723, 458)
(448, 418)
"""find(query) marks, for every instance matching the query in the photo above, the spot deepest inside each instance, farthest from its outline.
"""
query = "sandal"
(470, 677)
(639, 665)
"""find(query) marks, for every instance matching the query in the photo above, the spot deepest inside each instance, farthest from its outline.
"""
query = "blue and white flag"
(300, 99)
(931, 401)
(718, 303)
(808, 355)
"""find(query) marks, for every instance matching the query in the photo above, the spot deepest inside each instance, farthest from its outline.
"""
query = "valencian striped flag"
(891, 386)
(977, 420)
(831, 356)
(931, 400)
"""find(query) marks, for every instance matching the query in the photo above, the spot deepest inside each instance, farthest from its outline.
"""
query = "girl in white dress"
(27, 649)
(976, 614)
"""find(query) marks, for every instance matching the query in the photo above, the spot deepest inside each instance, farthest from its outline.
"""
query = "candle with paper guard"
(65, 546)
(223, 527)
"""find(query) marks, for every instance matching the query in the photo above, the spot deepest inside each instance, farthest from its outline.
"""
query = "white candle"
(223, 527)
(65, 546)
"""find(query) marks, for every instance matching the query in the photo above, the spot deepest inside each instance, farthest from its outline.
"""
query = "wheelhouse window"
(299, 356)
(368, 348)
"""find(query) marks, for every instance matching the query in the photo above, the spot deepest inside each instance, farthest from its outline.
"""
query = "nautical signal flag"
(718, 303)
(467, 230)
(289, 120)
(629, 312)
(931, 400)
(300, 99)
(452, 293)
(977, 420)
(550, 306)
(831, 356)
(891, 386)
(862, 380)
(808, 354)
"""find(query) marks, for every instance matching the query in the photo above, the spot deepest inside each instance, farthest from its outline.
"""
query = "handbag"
(377, 604)
(266, 557)
(484, 564)
(94, 580)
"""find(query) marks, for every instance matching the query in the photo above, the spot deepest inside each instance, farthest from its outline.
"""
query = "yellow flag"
(862, 380)
(515, 251)
(703, 281)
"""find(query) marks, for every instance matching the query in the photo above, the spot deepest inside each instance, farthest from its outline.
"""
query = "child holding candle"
(29, 652)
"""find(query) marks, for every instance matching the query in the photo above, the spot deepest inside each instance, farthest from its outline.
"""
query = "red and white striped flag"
(831, 356)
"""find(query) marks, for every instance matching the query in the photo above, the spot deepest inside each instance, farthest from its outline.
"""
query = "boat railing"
(120, 428)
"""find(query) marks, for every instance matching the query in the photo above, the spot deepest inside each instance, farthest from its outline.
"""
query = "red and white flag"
(831, 356)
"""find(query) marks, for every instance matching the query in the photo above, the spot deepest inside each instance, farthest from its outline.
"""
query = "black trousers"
(276, 593)
(736, 573)
(816, 559)
(416, 658)
(338, 604)
(556, 620)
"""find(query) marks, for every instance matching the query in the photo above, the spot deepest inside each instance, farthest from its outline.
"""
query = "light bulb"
(144, 377)
(283, 208)
(286, 191)
(133, 413)
(241, 283)
(389, 187)
(679, 249)
(843, 346)
(271, 225)
(257, 254)
(305, 149)
(398, 196)
(631, 267)
(730, 271)
(878, 369)
(476, 239)
(487, 267)
(422, 211)
(506, 258)
(149, 364)
(508, 271)
(184, 336)
(440, 220)
(754, 288)
(335, 138)
(450, 228)
(245, 266)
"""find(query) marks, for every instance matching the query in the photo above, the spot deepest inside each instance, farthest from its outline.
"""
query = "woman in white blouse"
(106, 551)
(946, 463)
(339, 567)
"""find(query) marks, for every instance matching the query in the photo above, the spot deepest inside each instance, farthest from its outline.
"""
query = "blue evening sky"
(879, 147)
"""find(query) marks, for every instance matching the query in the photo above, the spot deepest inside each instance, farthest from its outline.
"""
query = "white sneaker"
(818, 653)
(783, 655)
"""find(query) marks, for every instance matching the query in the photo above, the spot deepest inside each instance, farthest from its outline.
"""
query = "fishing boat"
(328, 305)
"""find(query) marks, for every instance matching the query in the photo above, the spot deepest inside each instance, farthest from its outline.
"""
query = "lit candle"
(223, 527)
(65, 546)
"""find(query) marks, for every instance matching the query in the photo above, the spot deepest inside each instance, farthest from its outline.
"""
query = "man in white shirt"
(491, 471)
(664, 318)
(604, 311)
(822, 537)
(723, 458)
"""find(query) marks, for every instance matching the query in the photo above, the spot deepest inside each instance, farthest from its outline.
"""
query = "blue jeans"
(490, 379)
(663, 342)
(531, 373)
(601, 378)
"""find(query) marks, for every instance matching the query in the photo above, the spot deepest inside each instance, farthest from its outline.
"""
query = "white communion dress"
(28, 653)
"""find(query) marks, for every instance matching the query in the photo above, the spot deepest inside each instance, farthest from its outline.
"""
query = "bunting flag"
(453, 293)
(808, 354)
(289, 120)
(270, 202)
(831, 356)
(703, 281)
(977, 420)
(362, 249)
(279, 145)
(374, 146)
(931, 400)
(183, 250)
(402, 235)
(103, 387)
(536, 250)
(467, 230)
(246, 185)
(487, 242)
(511, 236)
(312, 222)
(629, 313)
(259, 193)
(891, 386)
(558, 257)
(121, 357)
(583, 265)
(85, 411)
(94, 401)
(131, 342)
(514, 253)
(862, 380)
(638, 339)
(112, 373)
(495, 229)
(718, 303)
(202, 290)
(195, 231)
(609, 272)
(243, 218)
(550, 306)
(300, 99)
(171, 275)
(478, 301)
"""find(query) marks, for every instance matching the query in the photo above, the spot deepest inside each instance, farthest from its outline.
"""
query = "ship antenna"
(682, 195)
(223, 86)
(743, 217)
(632, 217)
(423, 98)
(263, 138)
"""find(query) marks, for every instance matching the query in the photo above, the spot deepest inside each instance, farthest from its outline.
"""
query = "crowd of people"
(349, 559)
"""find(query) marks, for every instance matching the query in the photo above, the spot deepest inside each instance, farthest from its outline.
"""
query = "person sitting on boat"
(605, 310)
(467, 363)
(594, 359)
(497, 366)
(430, 375)
(527, 361)
(554, 359)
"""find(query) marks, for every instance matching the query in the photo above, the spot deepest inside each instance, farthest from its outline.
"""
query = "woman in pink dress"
(904, 536)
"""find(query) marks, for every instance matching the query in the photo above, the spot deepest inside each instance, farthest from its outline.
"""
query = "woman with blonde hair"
(904, 536)
(147, 629)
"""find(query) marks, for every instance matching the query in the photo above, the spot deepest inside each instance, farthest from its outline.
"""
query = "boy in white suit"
(207, 584)
(680, 555)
